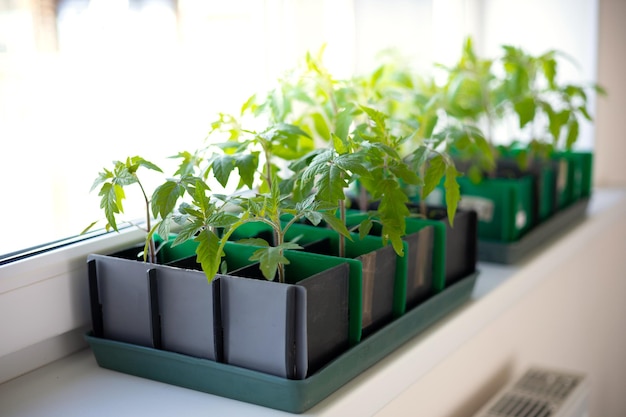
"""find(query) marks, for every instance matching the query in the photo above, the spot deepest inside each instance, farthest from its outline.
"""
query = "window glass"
(85, 82)
(91, 81)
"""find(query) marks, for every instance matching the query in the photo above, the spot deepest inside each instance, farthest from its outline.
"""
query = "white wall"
(611, 145)
(574, 320)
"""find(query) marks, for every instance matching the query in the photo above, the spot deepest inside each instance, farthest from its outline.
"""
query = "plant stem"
(423, 208)
(151, 246)
(342, 238)
(268, 167)
(279, 237)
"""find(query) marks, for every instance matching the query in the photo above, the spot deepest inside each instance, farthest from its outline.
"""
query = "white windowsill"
(75, 385)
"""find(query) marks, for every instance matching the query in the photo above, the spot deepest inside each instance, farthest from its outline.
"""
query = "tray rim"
(295, 396)
(548, 230)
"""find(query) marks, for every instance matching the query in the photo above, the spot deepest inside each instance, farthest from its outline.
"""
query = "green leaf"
(221, 219)
(163, 228)
(352, 162)
(138, 161)
(340, 145)
(208, 253)
(269, 258)
(315, 217)
(165, 197)
(427, 126)
(402, 171)
(393, 212)
(585, 113)
(365, 227)
(321, 127)
(549, 69)
(342, 124)
(254, 242)
(572, 133)
(419, 157)
(336, 224)
(111, 202)
(102, 177)
(434, 174)
(86, 229)
(453, 193)
(247, 164)
(380, 126)
(331, 184)
(187, 232)
(222, 167)
(525, 109)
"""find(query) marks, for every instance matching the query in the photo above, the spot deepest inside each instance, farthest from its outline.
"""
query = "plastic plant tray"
(295, 396)
(513, 252)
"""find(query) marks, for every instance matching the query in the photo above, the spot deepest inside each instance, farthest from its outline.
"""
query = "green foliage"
(112, 184)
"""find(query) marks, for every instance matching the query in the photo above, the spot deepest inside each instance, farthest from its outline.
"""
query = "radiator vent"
(541, 393)
(520, 406)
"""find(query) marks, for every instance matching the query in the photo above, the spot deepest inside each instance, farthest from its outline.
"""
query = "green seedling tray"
(513, 252)
(504, 206)
(295, 396)
(414, 225)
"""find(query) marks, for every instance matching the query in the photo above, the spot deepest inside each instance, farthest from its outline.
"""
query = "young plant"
(259, 158)
(112, 184)
(549, 110)
(205, 213)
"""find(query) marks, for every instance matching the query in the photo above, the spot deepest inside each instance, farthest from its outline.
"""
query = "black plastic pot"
(421, 281)
(383, 272)
(461, 242)
(286, 329)
(123, 294)
(123, 298)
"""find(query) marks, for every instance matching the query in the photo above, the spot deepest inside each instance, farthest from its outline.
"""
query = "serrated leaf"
(393, 212)
(109, 202)
(321, 126)
(269, 258)
(187, 232)
(352, 162)
(340, 145)
(342, 124)
(549, 70)
(222, 167)
(380, 126)
(365, 227)
(453, 192)
(525, 110)
(247, 165)
(208, 253)
(165, 197)
(336, 224)
(146, 164)
(222, 219)
(163, 227)
(314, 217)
(427, 126)
(253, 241)
(331, 184)
(403, 172)
(434, 173)
(419, 157)
(102, 177)
(556, 121)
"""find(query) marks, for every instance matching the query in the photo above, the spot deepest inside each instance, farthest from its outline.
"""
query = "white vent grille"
(541, 393)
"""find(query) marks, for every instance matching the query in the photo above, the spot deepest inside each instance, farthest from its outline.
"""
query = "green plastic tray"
(295, 396)
(513, 252)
